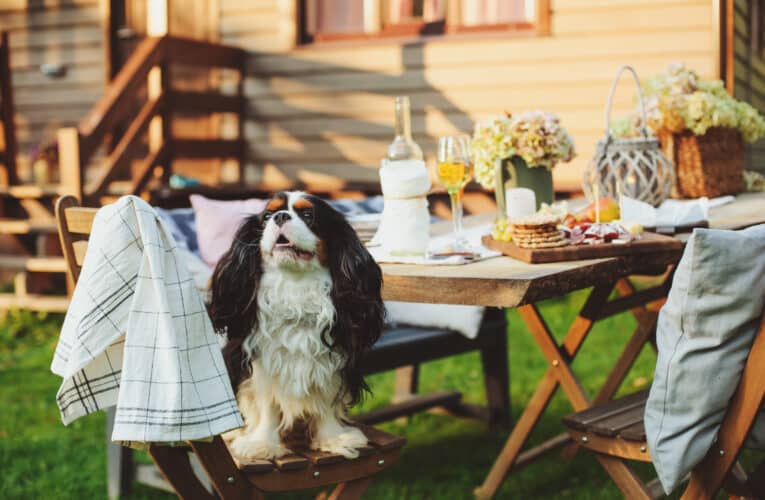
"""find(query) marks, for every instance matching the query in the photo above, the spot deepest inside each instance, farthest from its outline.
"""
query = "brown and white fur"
(298, 297)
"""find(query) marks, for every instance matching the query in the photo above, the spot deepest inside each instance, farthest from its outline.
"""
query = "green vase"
(514, 173)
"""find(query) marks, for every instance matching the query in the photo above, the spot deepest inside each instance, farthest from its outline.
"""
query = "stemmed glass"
(455, 169)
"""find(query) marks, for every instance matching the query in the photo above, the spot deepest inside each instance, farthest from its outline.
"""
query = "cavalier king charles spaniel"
(298, 297)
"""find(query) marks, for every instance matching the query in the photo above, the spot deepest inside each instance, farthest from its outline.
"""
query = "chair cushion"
(182, 225)
(460, 318)
(217, 222)
(705, 331)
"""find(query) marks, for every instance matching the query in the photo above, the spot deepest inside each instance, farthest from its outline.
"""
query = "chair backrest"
(74, 226)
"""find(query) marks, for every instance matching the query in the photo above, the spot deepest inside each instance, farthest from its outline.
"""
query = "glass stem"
(456, 199)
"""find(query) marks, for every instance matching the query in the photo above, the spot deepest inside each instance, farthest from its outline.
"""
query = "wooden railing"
(137, 109)
(8, 151)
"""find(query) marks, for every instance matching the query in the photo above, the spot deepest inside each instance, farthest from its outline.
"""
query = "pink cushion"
(217, 222)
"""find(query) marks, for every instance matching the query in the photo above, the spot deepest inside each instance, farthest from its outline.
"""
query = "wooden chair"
(615, 432)
(232, 478)
(402, 348)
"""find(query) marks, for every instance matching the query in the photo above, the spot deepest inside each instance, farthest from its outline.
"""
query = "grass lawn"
(445, 457)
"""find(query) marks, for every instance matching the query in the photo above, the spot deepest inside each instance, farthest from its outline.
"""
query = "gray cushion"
(705, 331)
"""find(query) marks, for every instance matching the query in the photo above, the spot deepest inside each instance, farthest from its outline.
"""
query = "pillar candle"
(520, 202)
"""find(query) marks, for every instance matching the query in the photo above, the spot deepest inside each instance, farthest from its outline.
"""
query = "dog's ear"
(356, 286)
(234, 306)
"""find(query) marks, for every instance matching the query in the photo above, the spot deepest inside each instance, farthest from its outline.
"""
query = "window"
(324, 20)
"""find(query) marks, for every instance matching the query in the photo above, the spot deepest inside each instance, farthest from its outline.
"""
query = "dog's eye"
(267, 215)
(306, 215)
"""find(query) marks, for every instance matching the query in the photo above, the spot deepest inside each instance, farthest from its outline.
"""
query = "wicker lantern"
(635, 166)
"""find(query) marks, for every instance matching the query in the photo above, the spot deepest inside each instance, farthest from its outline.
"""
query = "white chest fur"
(294, 310)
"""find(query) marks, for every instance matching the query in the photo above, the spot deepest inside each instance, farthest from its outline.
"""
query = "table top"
(747, 210)
(506, 282)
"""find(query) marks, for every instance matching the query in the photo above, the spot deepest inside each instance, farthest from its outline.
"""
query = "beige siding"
(58, 32)
(328, 110)
(749, 71)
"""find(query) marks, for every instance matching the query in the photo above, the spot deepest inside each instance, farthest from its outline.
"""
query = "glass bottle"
(403, 146)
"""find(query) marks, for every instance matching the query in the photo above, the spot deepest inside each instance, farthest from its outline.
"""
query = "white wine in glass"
(455, 169)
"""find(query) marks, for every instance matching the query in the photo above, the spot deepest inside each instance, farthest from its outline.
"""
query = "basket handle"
(611, 99)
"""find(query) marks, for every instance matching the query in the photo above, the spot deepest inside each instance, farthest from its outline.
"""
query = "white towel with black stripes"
(137, 335)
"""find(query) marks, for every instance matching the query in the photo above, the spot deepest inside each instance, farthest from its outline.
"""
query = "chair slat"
(253, 466)
(381, 439)
(635, 432)
(320, 457)
(584, 419)
(80, 219)
(366, 451)
(80, 247)
(291, 462)
(613, 425)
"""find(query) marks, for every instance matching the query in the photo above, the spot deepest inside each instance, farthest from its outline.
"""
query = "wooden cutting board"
(649, 242)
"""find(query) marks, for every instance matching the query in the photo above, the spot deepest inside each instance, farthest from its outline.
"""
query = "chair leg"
(407, 382)
(176, 467)
(737, 485)
(228, 481)
(757, 480)
(625, 478)
(496, 379)
(120, 467)
(351, 490)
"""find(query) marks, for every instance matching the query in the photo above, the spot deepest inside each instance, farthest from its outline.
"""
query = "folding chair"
(615, 432)
(233, 478)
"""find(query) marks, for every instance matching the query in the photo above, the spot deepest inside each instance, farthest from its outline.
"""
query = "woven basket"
(706, 165)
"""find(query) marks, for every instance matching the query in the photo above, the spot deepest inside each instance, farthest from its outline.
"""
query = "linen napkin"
(137, 335)
(671, 213)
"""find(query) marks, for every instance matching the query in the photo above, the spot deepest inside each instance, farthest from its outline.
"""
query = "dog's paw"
(345, 444)
(245, 447)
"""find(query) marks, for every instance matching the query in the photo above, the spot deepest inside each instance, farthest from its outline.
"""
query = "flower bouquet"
(701, 128)
(520, 151)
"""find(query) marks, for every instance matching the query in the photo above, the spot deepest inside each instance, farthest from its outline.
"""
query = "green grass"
(445, 457)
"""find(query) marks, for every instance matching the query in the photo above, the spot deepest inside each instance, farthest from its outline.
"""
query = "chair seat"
(306, 468)
(403, 345)
(395, 337)
(615, 427)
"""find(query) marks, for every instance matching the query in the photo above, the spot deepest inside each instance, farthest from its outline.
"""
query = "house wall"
(323, 112)
(52, 31)
(749, 72)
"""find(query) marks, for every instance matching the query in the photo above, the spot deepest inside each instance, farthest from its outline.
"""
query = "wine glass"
(455, 169)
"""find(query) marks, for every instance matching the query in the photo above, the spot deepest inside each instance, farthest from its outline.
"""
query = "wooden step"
(26, 226)
(35, 302)
(31, 191)
(33, 264)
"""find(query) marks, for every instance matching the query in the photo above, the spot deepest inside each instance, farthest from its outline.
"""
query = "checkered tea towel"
(137, 335)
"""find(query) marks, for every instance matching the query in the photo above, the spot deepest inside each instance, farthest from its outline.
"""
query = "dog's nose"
(281, 217)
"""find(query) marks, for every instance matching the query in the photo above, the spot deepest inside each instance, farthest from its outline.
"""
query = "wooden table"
(508, 283)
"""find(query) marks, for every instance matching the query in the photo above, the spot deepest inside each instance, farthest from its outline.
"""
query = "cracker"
(536, 220)
(539, 239)
(549, 244)
(535, 230)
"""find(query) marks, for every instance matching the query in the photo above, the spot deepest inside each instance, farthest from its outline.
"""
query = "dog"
(298, 297)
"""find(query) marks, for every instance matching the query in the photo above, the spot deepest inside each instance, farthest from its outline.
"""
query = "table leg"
(558, 372)
(560, 358)
(643, 333)
(646, 316)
